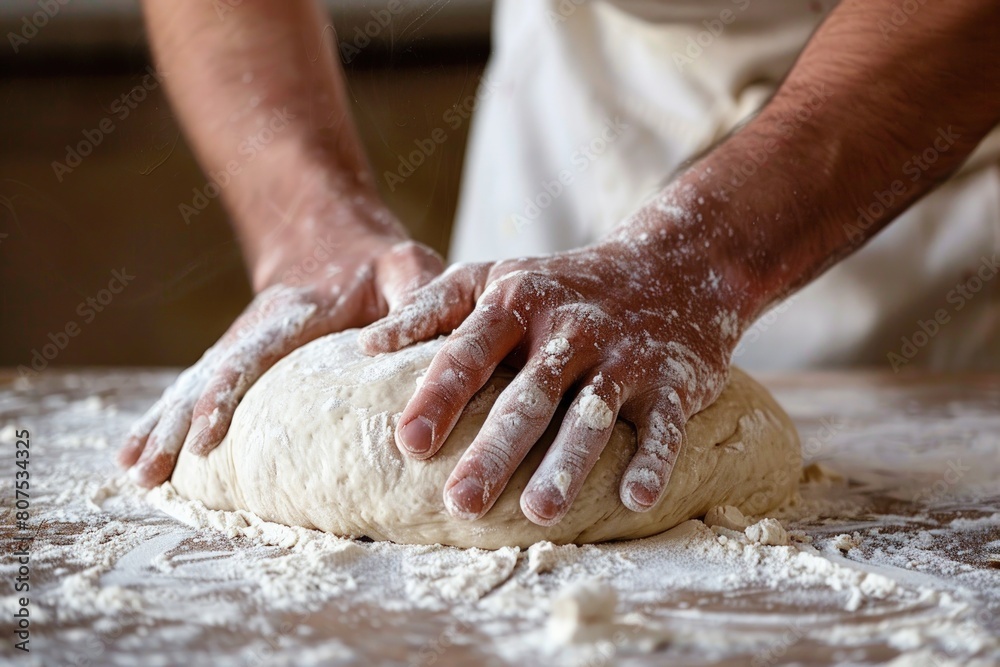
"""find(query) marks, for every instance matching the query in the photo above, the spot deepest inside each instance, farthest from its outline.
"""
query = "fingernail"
(466, 499)
(417, 435)
(193, 441)
(643, 496)
(542, 504)
(152, 470)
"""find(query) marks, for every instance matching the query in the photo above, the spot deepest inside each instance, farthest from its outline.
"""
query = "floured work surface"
(898, 562)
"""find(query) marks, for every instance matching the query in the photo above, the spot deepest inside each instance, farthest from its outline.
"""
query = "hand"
(318, 294)
(638, 326)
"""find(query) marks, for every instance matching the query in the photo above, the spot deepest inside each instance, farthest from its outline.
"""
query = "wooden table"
(921, 453)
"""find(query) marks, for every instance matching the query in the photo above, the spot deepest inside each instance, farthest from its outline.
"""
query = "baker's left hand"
(641, 325)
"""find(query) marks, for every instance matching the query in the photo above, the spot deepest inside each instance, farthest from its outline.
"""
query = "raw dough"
(311, 444)
(768, 532)
(726, 516)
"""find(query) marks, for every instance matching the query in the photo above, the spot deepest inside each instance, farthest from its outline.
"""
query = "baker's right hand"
(316, 283)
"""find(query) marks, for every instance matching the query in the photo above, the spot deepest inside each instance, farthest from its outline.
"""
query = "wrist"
(755, 209)
(323, 217)
(688, 235)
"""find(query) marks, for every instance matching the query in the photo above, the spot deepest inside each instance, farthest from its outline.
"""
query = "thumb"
(405, 268)
(437, 308)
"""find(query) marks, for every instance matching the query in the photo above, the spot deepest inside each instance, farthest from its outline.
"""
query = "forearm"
(865, 124)
(259, 93)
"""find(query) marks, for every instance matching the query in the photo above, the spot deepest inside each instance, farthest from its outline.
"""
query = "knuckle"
(506, 267)
(178, 403)
(585, 321)
(275, 303)
(575, 453)
(468, 353)
(442, 392)
(527, 399)
(189, 383)
(460, 271)
(224, 394)
(413, 254)
(658, 451)
(526, 282)
(204, 405)
(379, 337)
(492, 454)
(213, 403)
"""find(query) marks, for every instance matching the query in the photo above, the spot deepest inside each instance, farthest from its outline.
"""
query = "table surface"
(116, 581)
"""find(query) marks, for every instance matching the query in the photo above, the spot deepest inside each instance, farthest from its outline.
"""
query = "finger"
(660, 431)
(162, 443)
(405, 268)
(137, 436)
(459, 369)
(437, 308)
(520, 416)
(213, 412)
(287, 328)
(582, 437)
(159, 455)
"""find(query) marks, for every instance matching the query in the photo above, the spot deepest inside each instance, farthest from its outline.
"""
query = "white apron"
(586, 108)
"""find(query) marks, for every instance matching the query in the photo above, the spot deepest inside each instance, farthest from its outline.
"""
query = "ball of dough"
(311, 445)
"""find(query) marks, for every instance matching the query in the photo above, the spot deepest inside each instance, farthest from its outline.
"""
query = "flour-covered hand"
(359, 282)
(639, 326)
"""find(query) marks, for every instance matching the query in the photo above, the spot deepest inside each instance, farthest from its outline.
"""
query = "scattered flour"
(557, 346)
(845, 542)
(584, 611)
(726, 516)
(769, 532)
(122, 576)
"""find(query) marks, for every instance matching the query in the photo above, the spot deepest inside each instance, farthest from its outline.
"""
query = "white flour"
(858, 577)
(593, 412)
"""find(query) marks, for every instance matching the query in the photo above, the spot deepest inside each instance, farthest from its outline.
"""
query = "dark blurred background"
(63, 66)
